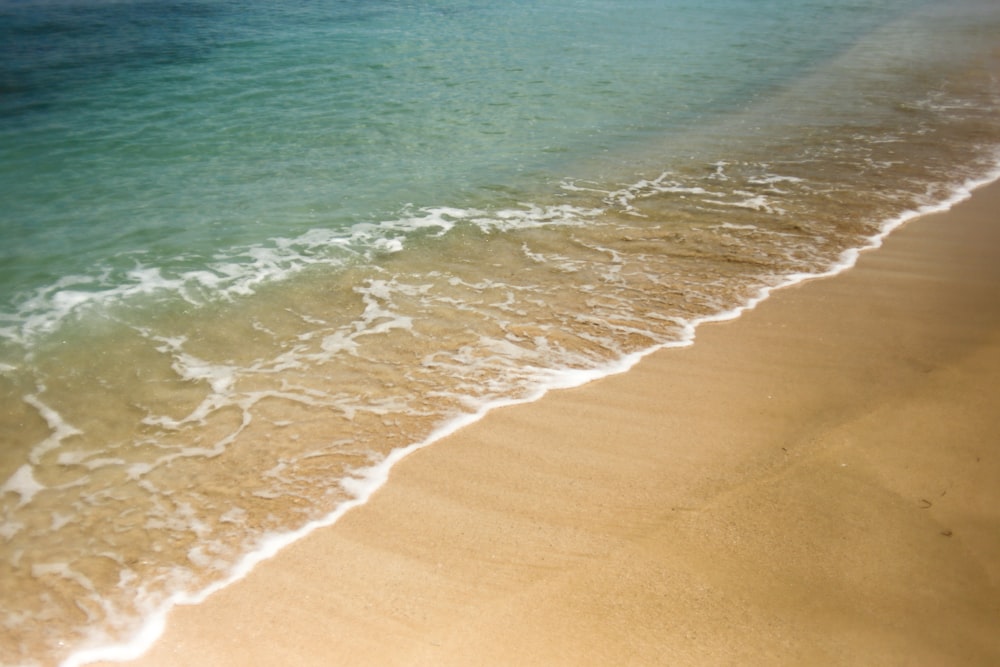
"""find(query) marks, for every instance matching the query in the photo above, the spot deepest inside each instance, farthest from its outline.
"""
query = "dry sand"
(817, 482)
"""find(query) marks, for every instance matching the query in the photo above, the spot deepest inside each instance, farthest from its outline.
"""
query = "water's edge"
(367, 481)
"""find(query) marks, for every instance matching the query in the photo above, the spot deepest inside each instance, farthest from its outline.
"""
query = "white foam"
(61, 570)
(388, 245)
(771, 179)
(751, 201)
(363, 482)
(361, 485)
(533, 216)
(235, 515)
(241, 271)
(720, 171)
(61, 430)
(340, 341)
(662, 184)
(23, 483)
(9, 528)
(379, 316)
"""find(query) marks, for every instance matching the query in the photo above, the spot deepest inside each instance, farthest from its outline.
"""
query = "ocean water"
(254, 253)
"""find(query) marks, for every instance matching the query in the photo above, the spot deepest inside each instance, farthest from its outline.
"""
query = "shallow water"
(251, 251)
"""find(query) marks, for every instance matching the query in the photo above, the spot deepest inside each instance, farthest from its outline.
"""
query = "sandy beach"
(816, 482)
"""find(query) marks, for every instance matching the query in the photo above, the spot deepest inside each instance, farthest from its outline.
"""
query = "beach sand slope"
(817, 482)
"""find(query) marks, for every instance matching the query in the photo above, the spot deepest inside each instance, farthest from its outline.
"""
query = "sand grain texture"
(817, 482)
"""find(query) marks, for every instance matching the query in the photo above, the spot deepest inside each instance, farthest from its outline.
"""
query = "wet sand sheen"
(813, 483)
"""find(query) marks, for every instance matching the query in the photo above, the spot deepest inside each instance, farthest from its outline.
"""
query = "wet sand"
(817, 482)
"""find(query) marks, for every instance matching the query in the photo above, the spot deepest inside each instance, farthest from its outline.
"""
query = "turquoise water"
(250, 250)
(170, 137)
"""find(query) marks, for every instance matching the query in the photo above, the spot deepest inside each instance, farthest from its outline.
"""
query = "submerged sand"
(817, 482)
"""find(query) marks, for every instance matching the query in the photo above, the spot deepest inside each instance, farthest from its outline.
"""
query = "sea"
(253, 253)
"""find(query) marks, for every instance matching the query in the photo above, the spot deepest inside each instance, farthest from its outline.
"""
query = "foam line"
(366, 481)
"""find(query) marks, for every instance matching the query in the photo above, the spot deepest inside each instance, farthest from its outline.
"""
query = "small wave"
(241, 272)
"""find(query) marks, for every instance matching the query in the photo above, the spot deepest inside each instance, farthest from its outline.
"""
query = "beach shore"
(816, 482)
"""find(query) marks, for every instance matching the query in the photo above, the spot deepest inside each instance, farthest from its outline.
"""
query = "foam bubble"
(771, 179)
(754, 202)
(241, 271)
(361, 482)
(60, 429)
(9, 529)
(23, 483)
(532, 216)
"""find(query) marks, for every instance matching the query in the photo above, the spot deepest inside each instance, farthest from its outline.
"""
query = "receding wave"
(169, 425)
(194, 438)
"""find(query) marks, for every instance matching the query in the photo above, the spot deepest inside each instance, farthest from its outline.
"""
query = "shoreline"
(635, 516)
